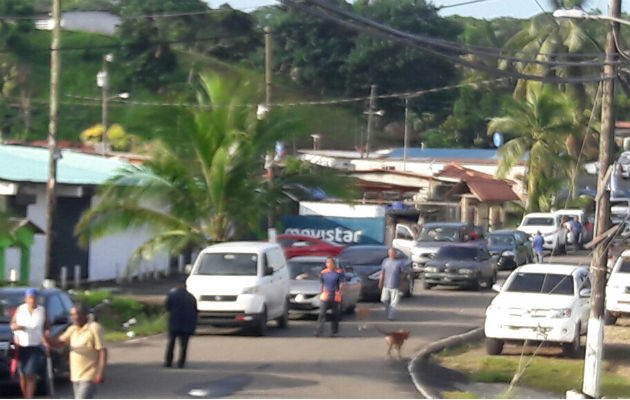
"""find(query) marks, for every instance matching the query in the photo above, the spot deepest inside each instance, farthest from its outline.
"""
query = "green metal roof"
(30, 164)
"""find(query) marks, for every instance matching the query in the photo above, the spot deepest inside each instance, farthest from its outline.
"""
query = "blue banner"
(348, 231)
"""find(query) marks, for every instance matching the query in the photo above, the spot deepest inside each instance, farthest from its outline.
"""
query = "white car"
(550, 226)
(241, 284)
(540, 302)
(618, 289)
(623, 165)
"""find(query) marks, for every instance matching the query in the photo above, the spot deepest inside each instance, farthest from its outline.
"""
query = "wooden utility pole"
(370, 122)
(104, 99)
(595, 335)
(268, 67)
(271, 213)
(55, 66)
(406, 135)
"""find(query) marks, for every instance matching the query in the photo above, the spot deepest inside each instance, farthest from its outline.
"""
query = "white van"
(241, 284)
(549, 225)
(618, 289)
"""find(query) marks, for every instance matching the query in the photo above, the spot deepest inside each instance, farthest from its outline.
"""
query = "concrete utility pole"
(105, 86)
(271, 215)
(55, 66)
(595, 335)
(370, 120)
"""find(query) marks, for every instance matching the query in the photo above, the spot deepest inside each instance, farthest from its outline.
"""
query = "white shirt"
(32, 324)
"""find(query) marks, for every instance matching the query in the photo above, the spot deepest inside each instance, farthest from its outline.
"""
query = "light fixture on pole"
(595, 328)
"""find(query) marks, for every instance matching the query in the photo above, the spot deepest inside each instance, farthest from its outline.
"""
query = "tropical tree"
(538, 127)
(205, 190)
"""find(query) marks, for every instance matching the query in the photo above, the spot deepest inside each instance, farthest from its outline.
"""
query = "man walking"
(330, 297)
(576, 228)
(389, 282)
(182, 321)
(537, 244)
(88, 355)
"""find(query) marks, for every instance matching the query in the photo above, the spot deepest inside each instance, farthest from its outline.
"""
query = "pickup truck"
(432, 236)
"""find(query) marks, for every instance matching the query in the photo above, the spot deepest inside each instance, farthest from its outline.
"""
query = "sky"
(487, 9)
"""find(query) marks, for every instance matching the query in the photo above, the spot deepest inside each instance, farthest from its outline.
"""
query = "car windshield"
(305, 270)
(542, 283)
(8, 303)
(364, 256)
(538, 221)
(227, 264)
(457, 253)
(624, 268)
(439, 234)
(501, 240)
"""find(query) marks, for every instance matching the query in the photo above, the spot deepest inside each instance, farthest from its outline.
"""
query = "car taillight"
(12, 312)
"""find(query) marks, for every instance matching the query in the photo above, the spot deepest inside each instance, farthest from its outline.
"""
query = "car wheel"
(261, 327)
(494, 346)
(410, 284)
(609, 319)
(572, 349)
(426, 286)
(478, 283)
(283, 320)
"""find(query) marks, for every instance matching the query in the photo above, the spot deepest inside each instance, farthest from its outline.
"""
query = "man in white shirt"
(28, 324)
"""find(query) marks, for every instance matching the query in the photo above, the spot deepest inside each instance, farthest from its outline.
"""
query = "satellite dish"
(497, 139)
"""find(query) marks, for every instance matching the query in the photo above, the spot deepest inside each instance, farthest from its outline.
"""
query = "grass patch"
(545, 372)
(114, 311)
(453, 351)
(459, 395)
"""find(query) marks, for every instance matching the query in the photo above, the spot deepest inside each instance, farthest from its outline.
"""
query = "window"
(228, 264)
(542, 283)
(305, 270)
(538, 221)
(275, 259)
(402, 232)
(501, 240)
(54, 308)
(439, 234)
(625, 266)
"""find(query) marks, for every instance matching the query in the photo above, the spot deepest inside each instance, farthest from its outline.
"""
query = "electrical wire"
(465, 3)
(455, 59)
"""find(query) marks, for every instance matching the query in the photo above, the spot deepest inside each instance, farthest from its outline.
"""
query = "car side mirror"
(585, 292)
(349, 278)
(497, 287)
(188, 269)
(268, 271)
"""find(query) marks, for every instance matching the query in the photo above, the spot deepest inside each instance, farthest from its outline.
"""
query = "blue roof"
(416, 152)
(30, 164)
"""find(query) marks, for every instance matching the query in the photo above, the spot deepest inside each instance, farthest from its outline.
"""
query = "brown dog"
(395, 339)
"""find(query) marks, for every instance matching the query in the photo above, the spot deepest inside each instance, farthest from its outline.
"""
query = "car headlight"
(508, 253)
(251, 290)
(430, 269)
(375, 276)
(465, 271)
(560, 313)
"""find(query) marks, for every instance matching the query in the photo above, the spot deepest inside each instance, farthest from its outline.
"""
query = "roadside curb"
(419, 360)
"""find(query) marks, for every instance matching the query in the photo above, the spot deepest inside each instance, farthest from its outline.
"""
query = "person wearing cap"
(330, 297)
(182, 321)
(88, 355)
(28, 324)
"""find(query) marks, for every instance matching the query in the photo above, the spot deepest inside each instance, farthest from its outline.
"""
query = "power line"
(465, 3)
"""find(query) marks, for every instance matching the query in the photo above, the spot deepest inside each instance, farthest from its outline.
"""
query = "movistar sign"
(346, 231)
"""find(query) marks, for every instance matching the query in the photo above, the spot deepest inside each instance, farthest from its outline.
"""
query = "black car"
(365, 261)
(461, 265)
(57, 304)
(512, 247)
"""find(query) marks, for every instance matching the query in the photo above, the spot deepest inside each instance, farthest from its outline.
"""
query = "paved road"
(292, 363)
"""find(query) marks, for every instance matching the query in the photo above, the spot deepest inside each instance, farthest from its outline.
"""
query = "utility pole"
(405, 140)
(104, 87)
(595, 335)
(51, 203)
(370, 114)
(271, 216)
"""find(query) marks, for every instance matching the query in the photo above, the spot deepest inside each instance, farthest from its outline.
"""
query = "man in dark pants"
(330, 297)
(182, 320)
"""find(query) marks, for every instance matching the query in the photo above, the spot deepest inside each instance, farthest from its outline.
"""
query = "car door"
(279, 281)
(485, 263)
(584, 282)
(267, 284)
(352, 286)
(58, 319)
(521, 249)
(403, 239)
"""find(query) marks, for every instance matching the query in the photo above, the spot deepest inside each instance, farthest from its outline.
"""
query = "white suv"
(540, 302)
(618, 289)
(241, 284)
(551, 228)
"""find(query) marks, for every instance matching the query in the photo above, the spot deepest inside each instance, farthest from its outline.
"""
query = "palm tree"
(204, 189)
(539, 126)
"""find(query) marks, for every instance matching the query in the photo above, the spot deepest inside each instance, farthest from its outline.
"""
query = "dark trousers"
(170, 347)
(334, 316)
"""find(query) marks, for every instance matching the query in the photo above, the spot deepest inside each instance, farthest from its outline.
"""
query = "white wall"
(341, 210)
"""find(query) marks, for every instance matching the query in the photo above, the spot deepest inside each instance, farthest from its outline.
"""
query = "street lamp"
(601, 237)
(102, 81)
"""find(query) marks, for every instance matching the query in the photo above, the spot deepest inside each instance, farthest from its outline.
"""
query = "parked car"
(461, 265)
(241, 284)
(623, 165)
(300, 245)
(366, 260)
(57, 304)
(435, 235)
(550, 226)
(511, 247)
(305, 274)
(618, 289)
(540, 302)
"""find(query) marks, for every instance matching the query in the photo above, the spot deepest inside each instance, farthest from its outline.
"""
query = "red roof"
(483, 186)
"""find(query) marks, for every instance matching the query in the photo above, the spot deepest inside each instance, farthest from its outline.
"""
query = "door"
(279, 281)
(352, 288)
(404, 239)
(58, 314)
(65, 249)
(585, 302)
